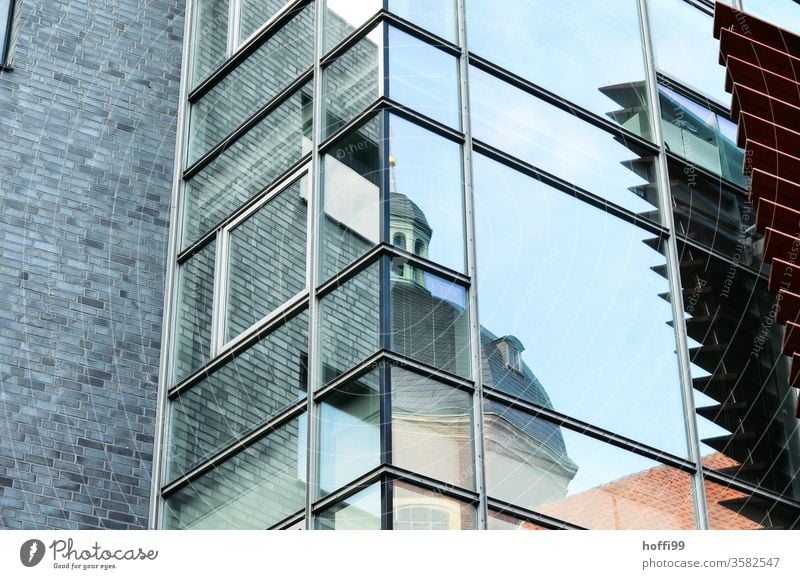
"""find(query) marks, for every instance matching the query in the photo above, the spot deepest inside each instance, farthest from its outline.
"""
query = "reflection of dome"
(521, 384)
(401, 208)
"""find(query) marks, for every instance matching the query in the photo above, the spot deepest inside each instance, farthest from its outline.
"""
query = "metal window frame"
(310, 164)
(5, 40)
(673, 274)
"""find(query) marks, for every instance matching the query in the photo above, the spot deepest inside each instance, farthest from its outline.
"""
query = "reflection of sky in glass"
(571, 47)
(445, 290)
(361, 511)
(783, 13)
(349, 436)
(437, 16)
(576, 287)
(685, 47)
(343, 16)
(428, 172)
(423, 78)
(689, 105)
(553, 140)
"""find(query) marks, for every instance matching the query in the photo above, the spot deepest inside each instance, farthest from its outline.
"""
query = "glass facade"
(451, 265)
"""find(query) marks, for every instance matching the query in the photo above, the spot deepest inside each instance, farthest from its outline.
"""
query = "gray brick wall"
(87, 126)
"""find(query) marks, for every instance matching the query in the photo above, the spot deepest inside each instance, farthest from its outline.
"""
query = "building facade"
(430, 265)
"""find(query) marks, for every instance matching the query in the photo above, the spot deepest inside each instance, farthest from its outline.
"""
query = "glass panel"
(254, 13)
(502, 522)
(248, 165)
(351, 197)
(6, 17)
(426, 204)
(700, 136)
(553, 140)
(429, 319)
(732, 509)
(685, 47)
(245, 393)
(745, 406)
(267, 258)
(437, 16)
(350, 323)
(417, 509)
(342, 17)
(275, 64)
(783, 13)
(194, 311)
(349, 432)
(431, 428)
(423, 78)
(351, 82)
(538, 465)
(361, 511)
(587, 52)
(708, 212)
(574, 309)
(210, 40)
(254, 489)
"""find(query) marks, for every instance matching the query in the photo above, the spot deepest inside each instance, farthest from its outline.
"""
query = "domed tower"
(408, 228)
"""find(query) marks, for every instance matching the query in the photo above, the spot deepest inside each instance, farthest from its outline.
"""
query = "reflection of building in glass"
(365, 192)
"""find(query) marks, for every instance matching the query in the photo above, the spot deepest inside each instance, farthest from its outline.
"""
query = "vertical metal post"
(170, 291)
(469, 222)
(316, 212)
(673, 270)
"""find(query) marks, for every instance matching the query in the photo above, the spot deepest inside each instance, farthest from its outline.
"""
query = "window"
(6, 20)
(399, 240)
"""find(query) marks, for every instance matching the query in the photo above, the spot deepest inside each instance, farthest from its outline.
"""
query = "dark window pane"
(243, 394)
(254, 13)
(351, 82)
(580, 296)
(267, 258)
(429, 319)
(426, 204)
(431, 428)
(349, 432)
(210, 41)
(342, 17)
(418, 509)
(423, 78)
(559, 143)
(248, 165)
(194, 311)
(361, 511)
(437, 16)
(746, 408)
(350, 323)
(709, 212)
(254, 489)
(730, 509)
(685, 47)
(275, 64)
(538, 465)
(353, 174)
(587, 52)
